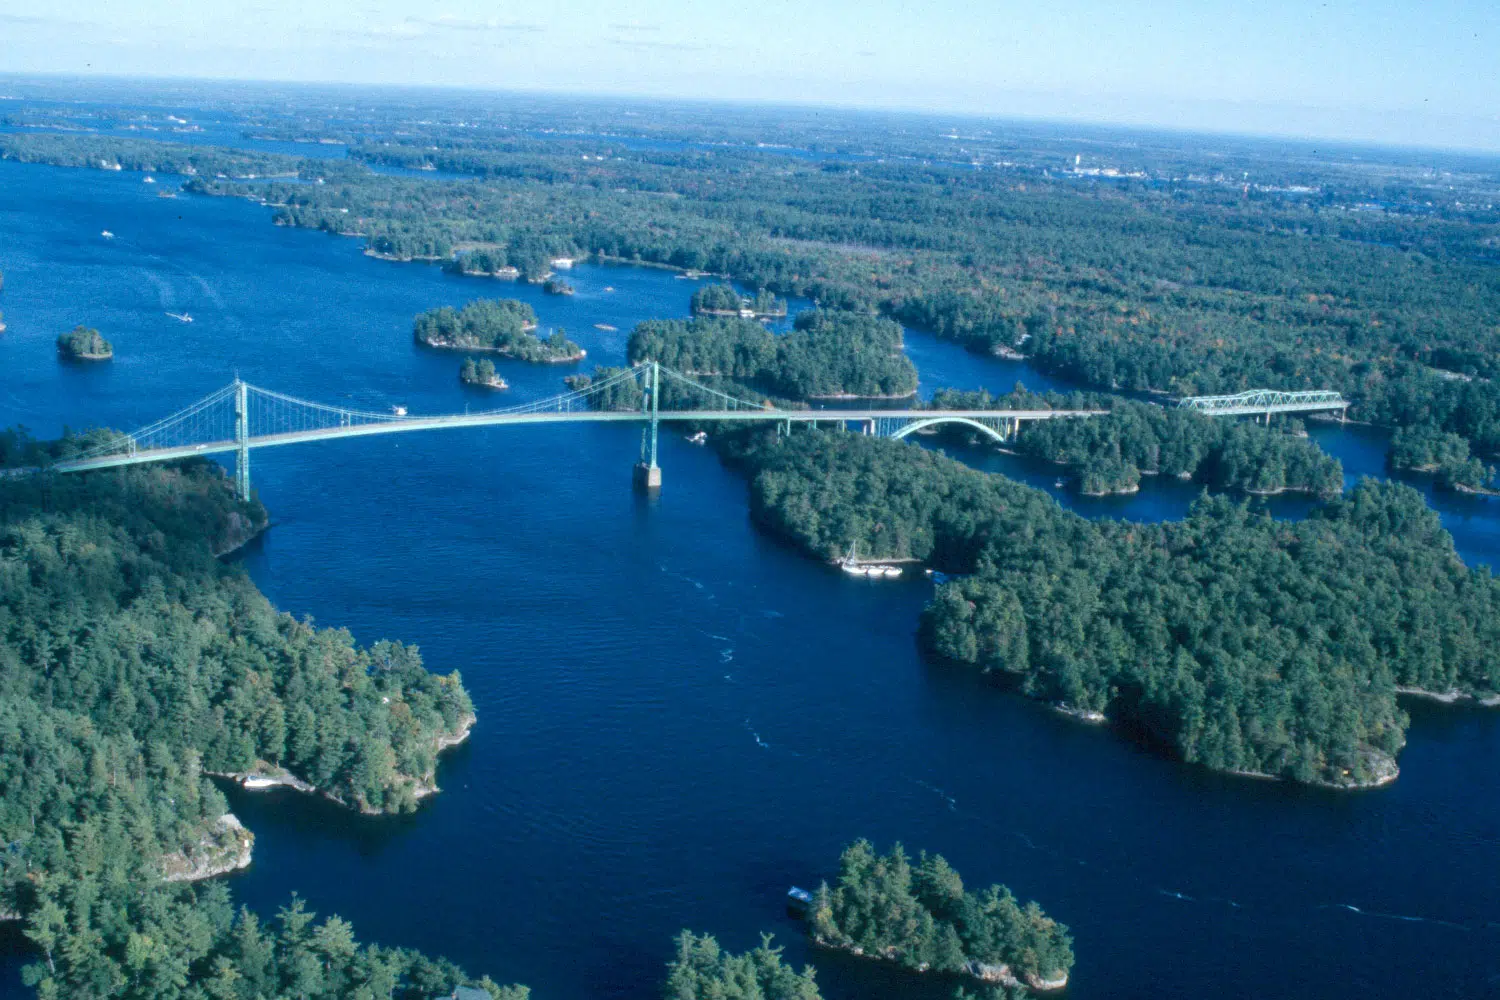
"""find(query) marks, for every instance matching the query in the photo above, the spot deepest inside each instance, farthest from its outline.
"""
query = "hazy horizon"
(1060, 120)
(1387, 74)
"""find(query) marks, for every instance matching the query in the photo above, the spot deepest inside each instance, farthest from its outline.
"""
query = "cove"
(679, 717)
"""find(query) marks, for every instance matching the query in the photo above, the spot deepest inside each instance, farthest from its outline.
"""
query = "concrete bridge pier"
(647, 476)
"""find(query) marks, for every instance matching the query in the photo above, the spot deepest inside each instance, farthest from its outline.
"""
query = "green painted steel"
(242, 417)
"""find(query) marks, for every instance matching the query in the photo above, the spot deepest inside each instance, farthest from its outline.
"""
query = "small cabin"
(466, 993)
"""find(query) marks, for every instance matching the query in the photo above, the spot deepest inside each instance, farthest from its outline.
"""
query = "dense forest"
(501, 325)
(701, 970)
(921, 916)
(1176, 287)
(827, 355)
(723, 300)
(1427, 448)
(1230, 639)
(133, 663)
(1111, 453)
(84, 343)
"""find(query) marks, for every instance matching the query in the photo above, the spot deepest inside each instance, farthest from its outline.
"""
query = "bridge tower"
(241, 440)
(647, 472)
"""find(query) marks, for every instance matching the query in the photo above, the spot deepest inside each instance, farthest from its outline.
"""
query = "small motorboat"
(107, 234)
(399, 411)
(148, 179)
(181, 317)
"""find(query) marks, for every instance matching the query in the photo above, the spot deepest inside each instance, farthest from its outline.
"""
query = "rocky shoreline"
(998, 975)
(505, 352)
(264, 777)
(225, 847)
(1451, 697)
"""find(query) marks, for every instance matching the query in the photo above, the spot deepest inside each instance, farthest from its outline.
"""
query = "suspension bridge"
(241, 417)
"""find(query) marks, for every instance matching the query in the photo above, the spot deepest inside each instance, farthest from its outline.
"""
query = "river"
(680, 717)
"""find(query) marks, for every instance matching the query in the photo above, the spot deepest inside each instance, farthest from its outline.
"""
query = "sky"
(1404, 73)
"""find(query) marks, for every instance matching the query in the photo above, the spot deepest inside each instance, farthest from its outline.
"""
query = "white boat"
(700, 438)
(850, 564)
(890, 570)
(181, 317)
(399, 411)
(107, 234)
(148, 179)
(256, 783)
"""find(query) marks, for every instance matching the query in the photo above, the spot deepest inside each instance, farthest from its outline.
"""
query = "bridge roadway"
(914, 419)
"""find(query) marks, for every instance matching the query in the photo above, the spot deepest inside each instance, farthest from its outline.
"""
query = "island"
(84, 343)
(1111, 453)
(481, 373)
(557, 286)
(723, 300)
(1427, 448)
(830, 354)
(1229, 639)
(107, 744)
(482, 263)
(921, 917)
(503, 326)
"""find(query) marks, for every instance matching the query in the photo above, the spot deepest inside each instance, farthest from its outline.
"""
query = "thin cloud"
(446, 22)
(34, 19)
(659, 46)
(415, 28)
(634, 26)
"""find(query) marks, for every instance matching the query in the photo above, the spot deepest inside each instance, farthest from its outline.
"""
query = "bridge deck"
(398, 425)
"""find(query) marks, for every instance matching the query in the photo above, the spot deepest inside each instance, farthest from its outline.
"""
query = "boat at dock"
(850, 564)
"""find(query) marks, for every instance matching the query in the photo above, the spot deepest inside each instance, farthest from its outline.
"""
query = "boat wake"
(934, 789)
(758, 741)
(1404, 918)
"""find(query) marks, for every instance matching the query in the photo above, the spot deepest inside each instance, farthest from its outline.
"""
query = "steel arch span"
(917, 425)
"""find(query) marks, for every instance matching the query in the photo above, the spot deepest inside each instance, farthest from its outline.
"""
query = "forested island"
(84, 343)
(828, 354)
(723, 300)
(556, 286)
(921, 916)
(481, 373)
(1110, 453)
(134, 663)
(504, 326)
(1428, 448)
(1229, 639)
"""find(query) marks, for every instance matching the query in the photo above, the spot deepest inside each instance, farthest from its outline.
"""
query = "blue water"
(680, 717)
